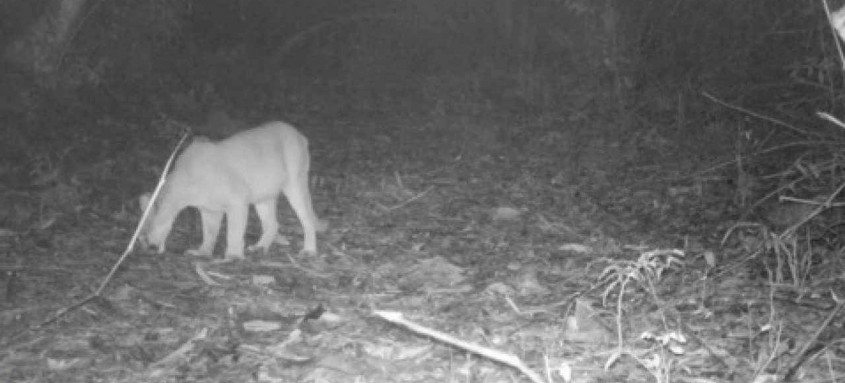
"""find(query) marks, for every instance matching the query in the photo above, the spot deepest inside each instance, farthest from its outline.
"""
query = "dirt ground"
(554, 256)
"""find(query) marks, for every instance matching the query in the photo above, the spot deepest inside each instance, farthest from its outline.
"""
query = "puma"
(224, 177)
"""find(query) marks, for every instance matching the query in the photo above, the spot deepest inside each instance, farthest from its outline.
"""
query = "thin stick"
(412, 199)
(828, 117)
(802, 355)
(763, 151)
(815, 212)
(757, 115)
(131, 244)
(808, 201)
(496, 355)
(147, 209)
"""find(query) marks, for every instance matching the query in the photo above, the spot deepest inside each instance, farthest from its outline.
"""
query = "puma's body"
(225, 177)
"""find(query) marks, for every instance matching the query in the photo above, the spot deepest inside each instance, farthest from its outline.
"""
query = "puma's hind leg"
(210, 221)
(299, 197)
(266, 211)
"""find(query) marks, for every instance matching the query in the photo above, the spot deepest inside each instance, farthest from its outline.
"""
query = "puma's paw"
(234, 256)
(197, 253)
(261, 249)
(308, 252)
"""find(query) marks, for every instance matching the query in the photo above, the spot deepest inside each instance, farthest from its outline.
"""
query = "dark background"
(132, 60)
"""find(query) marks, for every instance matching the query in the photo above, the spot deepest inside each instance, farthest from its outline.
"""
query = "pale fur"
(224, 177)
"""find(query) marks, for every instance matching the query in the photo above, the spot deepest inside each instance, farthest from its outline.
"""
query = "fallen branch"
(496, 355)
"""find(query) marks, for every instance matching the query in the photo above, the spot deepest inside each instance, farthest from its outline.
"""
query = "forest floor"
(555, 250)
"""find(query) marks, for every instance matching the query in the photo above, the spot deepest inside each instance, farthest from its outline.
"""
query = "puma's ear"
(144, 200)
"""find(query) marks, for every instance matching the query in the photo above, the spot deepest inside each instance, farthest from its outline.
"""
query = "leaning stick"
(163, 177)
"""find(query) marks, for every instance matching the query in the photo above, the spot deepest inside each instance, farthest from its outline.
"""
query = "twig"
(808, 201)
(182, 351)
(757, 115)
(412, 199)
(816, 211)
(129, 247)
(768, 195)
(789, 145)
(300, 37)
(802, 355)
(203, 275)
(828, 117)
(496, 355)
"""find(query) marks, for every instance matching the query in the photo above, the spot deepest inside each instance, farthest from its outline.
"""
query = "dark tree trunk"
(41, 47)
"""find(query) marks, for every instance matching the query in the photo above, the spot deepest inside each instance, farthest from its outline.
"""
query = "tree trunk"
(41, 47)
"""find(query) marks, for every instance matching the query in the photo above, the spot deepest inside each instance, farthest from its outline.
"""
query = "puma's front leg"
(210, 221)
(266, 211)
(236, 216)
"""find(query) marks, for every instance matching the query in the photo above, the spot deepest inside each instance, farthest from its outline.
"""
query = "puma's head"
(154, 233)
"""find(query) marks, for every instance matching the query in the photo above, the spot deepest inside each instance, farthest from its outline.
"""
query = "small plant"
(668, 345)
(646, 271)
(792, 253)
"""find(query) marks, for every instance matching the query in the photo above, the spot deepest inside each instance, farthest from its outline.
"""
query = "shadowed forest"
(541, 191)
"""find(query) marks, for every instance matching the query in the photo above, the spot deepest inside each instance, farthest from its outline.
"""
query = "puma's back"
(252, 165)
(225, 177)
